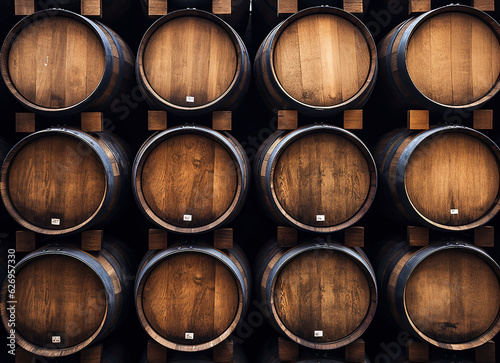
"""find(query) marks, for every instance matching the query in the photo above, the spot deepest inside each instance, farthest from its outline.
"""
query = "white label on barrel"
(454, 211)
(320, 218)
(56, 339)
(189, 336)
(189, 99)
(318, 333)
(55, 221)
(187, 218)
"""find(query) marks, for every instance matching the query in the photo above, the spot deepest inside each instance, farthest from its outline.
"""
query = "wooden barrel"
(190, 297)
(318, 178)
(445, 178)
(447, 294)
(206, 68)
(300, 286)
(68, 298)
(190, 179)
(62, 180)
(320, 61)
(79, 64)
(444, 59)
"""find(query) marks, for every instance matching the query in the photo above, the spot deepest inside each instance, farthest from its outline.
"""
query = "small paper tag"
(189, 336)
(55, 221)
(189, 99)
(187, 218)
(320, 218)
(318, 333)
(56, 339)
(454, 211)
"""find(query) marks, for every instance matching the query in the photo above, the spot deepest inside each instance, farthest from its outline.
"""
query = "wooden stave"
(272, 257)
(233, 147)
(116, 80)
(269, 153)
(229, 100)
(395, 267)
(395, 77)
(273, 94)
(234, 259)
(112, 152)
(114, 257)
(391, 167)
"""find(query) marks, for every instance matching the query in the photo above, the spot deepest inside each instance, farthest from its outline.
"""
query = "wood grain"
(190, 292)
(453, 296)
(64, 292)
(49, 54)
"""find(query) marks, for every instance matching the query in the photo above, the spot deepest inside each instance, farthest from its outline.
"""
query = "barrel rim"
(400, 178)
(357, 256)
(94, 96)
(367, 87)
(239, 48)
(298, 133)
(403, 50)
(152, 142)
(146, 269)
(89, 261)
(81, 136)
(413, 262)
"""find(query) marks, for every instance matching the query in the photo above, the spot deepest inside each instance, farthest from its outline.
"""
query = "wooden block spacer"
(157, 8)
(286, 237)
(222, 120)
(417, 351)
(484, 5)
(157, 239)
(484, 236)
(91, 8)
(486, 353)
(223, 352)
(288, 119)
(157, 120)
(223, 238)
(287, 7)
(92, 240)
(25, 241)
(24, 8)
(418, 120)
(92, 354)
(482, 120)
(353, 119)
(355, 352)
(354, 237)
(419, 6)
(353, 6)
(157, 353)
(417, 236)
(25, 122)
(288, 351)
(92, 121)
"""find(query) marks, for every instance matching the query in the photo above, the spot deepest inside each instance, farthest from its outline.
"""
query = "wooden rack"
(221, 353)
(423, 6)
(90, 8)
(157, 8)
(289, 351)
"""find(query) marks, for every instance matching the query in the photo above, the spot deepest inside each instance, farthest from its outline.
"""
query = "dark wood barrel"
(206, 68)
(67, 298)
(61, 180)
(190, 179)
(447, 294)
(338, 72)
(300, 286)
(190, 297)
(79, 64)
(443, 59)
(446, 178)
(318, 178)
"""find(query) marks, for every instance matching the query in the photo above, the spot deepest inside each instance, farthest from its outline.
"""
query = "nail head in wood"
(157, 8)
(223, 238)
(92, 121)
(354, 237)
(482, 119)
(288, 351)
(417, 236)
(355, 352)
(287, 237)
(486, 353)
(222, 120)
(25, 122)
(221, 7)
(354, 6)
(418, 120)
(484, 5)
(288, 6)
(419, 6)
(353, 119)
(484, 236)
(92, 240)
(157, 120)
(418, 351)
(158, 239)
(23, 356)
(156, 353)
(288, 119)
(25, 241)
(91, 8)
(92, 354)
(23, 8)
(223, 352)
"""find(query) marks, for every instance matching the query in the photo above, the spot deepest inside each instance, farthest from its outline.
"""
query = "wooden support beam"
(91, 8)
(286, 237)
(288, 351)
(222, 120)
(157, 120)
(158, 239)
(25, 241)
(92, 240)
(223, 238)
(354, 237)
(157, 8)
(288, 119)
(25, 122)
(417, 236)
(157, 353)
(92, 121)
(24, 7)
(353, 119)
(223, 352)
(417, 120)
(482, 119)
(484, 236)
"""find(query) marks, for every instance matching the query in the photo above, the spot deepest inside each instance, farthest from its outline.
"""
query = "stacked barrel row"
(191, 179)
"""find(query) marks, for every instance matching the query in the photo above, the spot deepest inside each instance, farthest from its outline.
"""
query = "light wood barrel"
(206, 68)
(445, 178)
(61, 180)
(447, 294)
(68, 299)
(318, 178)
(448, 58)
(320, 61)
(78, 64)
(190, 179)
(190, 297)
(300, 286)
